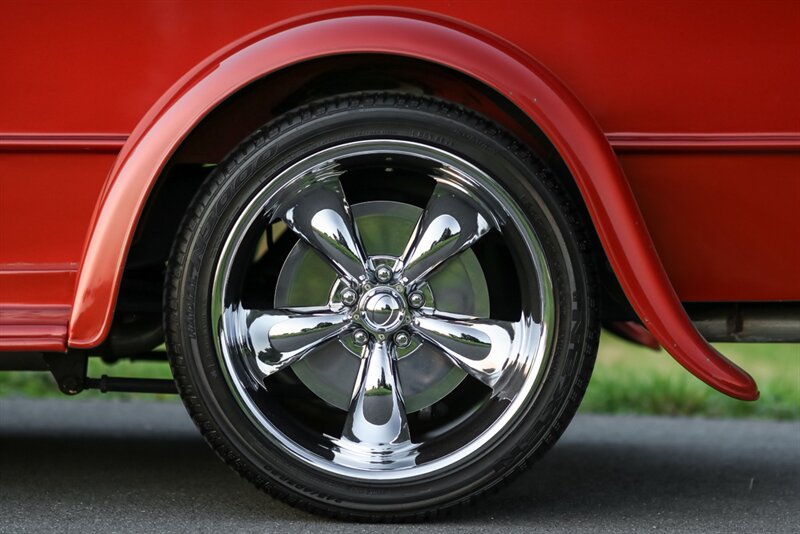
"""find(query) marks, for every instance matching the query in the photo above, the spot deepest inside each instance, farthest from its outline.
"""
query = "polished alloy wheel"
(378, 307)
(378, 296)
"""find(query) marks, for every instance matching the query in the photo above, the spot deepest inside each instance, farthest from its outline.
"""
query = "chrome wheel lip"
(538, 347)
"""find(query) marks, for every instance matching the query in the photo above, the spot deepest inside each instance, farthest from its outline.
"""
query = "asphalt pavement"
(72, 465)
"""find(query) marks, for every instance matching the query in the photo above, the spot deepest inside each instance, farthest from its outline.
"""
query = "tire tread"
(226, 172)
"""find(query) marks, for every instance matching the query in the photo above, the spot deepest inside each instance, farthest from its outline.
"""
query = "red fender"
(496, 63)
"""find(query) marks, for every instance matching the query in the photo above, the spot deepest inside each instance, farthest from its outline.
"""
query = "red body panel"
(672, 67)
(669, 69)
(716, 239)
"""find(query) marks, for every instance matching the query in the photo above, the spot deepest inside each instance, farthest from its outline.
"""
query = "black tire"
(200, 372)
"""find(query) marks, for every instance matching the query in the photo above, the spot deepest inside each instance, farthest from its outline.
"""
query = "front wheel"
(377, 307)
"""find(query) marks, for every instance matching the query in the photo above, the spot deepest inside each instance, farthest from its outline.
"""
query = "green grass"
(627, 379)
(632, 379)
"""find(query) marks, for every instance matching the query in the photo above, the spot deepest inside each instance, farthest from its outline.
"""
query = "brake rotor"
(426, 375)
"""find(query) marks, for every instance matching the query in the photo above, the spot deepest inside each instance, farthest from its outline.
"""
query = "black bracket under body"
(69, 370)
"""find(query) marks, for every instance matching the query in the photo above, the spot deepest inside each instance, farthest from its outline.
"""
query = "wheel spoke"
(377, 417)
(483, 348)
(317, 211)
(380, 343)
(279, 338)
(451, 223)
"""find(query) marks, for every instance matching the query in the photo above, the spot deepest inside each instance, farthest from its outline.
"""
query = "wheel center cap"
(383, 309)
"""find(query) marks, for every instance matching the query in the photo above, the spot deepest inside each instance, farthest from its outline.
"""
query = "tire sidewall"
(247, 171)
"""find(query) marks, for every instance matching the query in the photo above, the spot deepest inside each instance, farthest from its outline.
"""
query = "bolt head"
(416, 299)
(360, 337)
(402, 339)
(349, 297)
(383, 274)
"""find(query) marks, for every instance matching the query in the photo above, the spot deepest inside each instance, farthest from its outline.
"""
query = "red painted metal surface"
(37, 284)
(33, 327)
(104, 64)
(571, 129)
(623, 143)
(731, 235)
(692, 70)
(35, 305)
(38, 338)
(46, 204)
(722, 66)
(633, 331)
(88, 143)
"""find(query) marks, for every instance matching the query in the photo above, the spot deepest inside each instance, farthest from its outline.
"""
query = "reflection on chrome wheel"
(386, 310)
(506, 356)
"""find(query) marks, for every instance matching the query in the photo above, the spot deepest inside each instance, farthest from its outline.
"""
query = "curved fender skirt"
(496, 63)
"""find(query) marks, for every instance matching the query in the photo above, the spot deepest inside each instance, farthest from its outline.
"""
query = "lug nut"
(383, 274)
(360, 337)
(416, 299)
(402, 339)
(349, 297)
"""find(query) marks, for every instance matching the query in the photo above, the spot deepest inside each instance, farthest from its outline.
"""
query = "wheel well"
(139, 303)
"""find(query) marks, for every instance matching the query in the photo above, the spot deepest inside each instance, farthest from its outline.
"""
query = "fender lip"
(471, 51)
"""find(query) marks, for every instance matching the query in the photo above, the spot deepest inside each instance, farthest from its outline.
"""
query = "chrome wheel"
(382, 313)
(379, 307)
